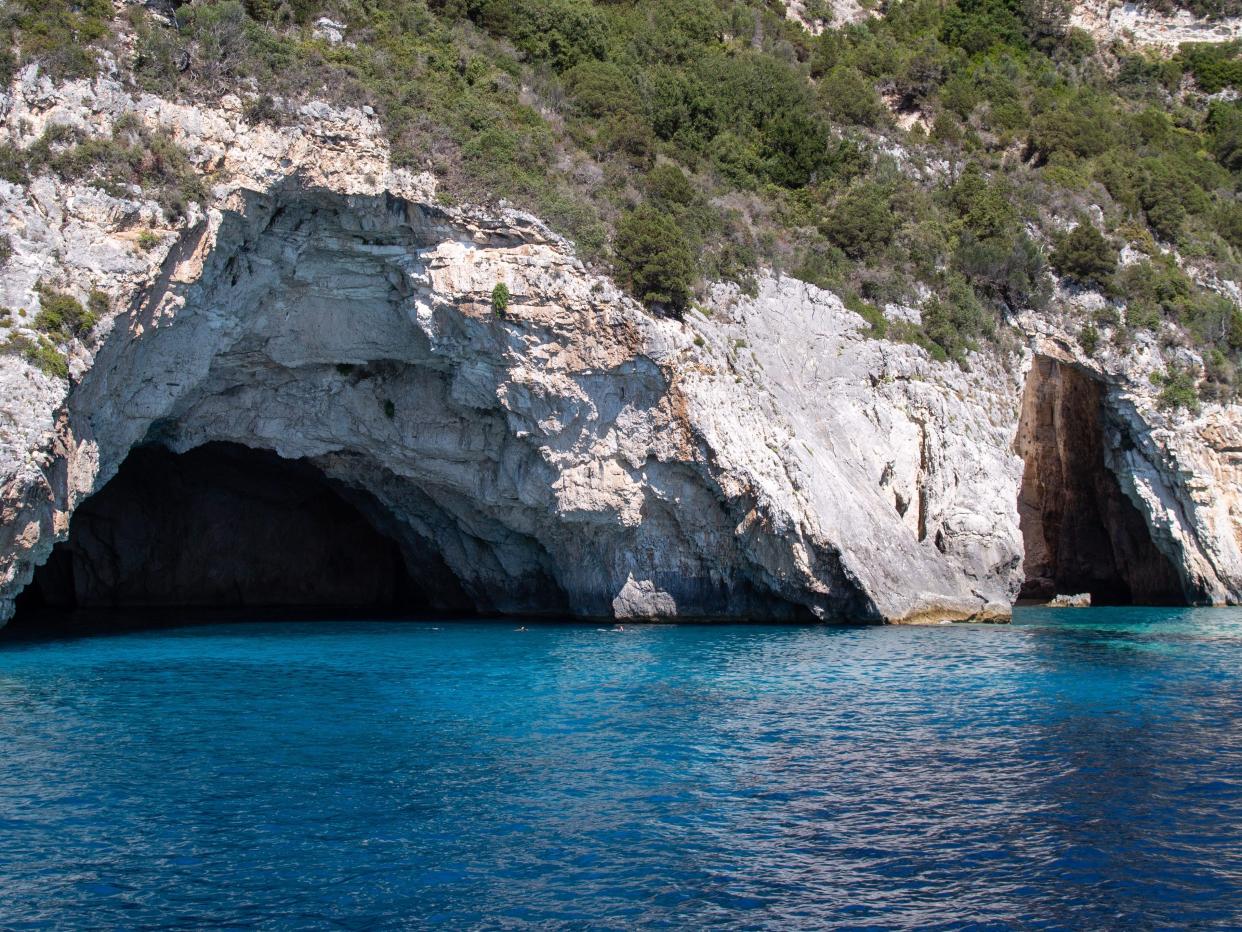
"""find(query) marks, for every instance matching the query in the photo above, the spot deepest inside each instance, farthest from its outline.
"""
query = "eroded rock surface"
(764, 459)
(1138, 24)
(1081, 533)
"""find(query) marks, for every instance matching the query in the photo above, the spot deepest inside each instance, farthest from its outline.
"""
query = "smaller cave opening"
(224, 526)
(1081, 533)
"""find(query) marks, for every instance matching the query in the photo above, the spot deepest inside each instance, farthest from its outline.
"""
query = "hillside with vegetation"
(944, 156)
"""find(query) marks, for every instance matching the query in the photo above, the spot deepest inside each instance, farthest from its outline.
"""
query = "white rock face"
(573, 455)
(1079, 600)
(1134, 23)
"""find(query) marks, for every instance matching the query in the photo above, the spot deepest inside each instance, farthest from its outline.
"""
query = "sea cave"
(1081, 533)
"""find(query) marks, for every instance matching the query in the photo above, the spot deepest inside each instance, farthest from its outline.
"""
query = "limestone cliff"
(572, 454)
(1134, 23)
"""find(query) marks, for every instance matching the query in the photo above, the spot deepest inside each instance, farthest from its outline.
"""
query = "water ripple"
(1079, 769)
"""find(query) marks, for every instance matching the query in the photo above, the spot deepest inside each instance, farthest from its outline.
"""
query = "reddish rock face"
(1080, 531)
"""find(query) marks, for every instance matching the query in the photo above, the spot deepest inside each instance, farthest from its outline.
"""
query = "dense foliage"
(943, 154)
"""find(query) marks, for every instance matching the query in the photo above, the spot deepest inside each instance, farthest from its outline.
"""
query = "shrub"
(667, 184)
(851, 98)
(1177, 389)
(1086, 256)
(869, 312)
(602, 89)
(1009, 269)
(862, 220)
(1089, 339)
(795, 148)
(500, 299)
(98, 304)
(41, 353)
(977, 25)
(986, 207)
(1082, 127)
(1153, 289)
(59, 34)
(1214, 67)
(955, 321)
(654, 258)
(13, 165)
(559, 32)
(62, 316)
(132, 155)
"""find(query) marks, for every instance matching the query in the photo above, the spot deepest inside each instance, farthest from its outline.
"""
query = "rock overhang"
(770, 460)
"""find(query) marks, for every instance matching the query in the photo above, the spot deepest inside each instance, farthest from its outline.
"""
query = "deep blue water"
(1079, 768)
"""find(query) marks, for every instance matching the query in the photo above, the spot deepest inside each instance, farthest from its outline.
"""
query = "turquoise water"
(1079, 768)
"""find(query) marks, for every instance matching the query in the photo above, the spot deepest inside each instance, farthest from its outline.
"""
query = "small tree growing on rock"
(500, 299)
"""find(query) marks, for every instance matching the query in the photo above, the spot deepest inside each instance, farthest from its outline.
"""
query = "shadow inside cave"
(1081, 533)
(224, 530)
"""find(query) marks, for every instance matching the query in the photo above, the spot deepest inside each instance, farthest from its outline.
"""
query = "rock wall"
(1080, 532)
(763, 459)
(1134, 23)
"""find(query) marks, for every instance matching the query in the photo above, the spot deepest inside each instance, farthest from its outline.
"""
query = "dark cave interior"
(1081, 532)
(225, 526)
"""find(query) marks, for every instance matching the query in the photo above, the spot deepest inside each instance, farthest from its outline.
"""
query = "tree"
(500, 299)
(862, 221)
(795, 148)
(559, 32)
(655, 259)
(667, 185)
(1081, 127)
(851, 98)
(986, 208)
(1086, 256)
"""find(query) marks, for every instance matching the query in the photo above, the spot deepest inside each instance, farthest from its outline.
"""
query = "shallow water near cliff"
(1080, 767)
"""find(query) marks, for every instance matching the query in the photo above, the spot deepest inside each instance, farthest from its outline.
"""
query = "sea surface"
(1080, 768)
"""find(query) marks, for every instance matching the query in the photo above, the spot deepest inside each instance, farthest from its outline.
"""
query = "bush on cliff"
(1084, 255)
(654, 259)
(62, 315)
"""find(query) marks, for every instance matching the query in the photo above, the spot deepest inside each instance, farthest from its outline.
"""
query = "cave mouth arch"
(224, 526)
(1080, 531)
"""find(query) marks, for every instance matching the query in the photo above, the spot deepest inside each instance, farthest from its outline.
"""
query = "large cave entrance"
(225, 526)
(1081, 532)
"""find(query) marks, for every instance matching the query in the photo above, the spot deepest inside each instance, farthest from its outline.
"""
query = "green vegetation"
(500, 299)
(1086, 256)
(62, 316)
(131, 156)
(1177, 389)
(58, 34)
(654, 258)
(1089, 339)
(685, 141)
(41, 352)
